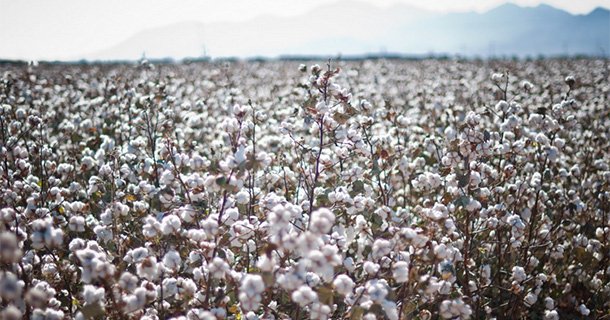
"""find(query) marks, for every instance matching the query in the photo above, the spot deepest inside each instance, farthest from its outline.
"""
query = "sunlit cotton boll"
(530, 299)
(322, 221)
(304, 296)
(320, 311)
(381, 248)
(11, 287)
(77, 224)
(170, 224)
(377, 290)
(172, 260)
(93, 294)
(250, 291)
(519, 274)
(343, 284)
(187, 214)
(242, 197)
(400, 271)
(103, 233)
(497, 77)
(148, 268)
(218, 268)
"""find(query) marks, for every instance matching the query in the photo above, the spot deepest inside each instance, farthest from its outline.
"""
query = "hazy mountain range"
(351, 28)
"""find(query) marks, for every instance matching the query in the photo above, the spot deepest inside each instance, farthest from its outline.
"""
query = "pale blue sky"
(53, 29)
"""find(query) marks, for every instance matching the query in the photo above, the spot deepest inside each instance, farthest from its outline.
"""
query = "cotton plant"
(358, 190)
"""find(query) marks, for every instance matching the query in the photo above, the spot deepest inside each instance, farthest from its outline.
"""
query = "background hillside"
(352, 28)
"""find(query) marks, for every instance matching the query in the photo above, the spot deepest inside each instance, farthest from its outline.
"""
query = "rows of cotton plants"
(345, 190)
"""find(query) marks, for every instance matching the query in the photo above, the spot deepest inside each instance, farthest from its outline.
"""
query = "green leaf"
(486, 135)
(358, 186)
(221, 181)
(463, 180)
(222, 254)
(462, 201)
(375, 171)
(322, 199)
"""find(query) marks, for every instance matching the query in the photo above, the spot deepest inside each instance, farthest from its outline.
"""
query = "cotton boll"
(320, 311)
(240, 155)
(348, 263)
(187, 214)
(11, 287)
(377, 290)
(530, 299)
(265, 263)
(304, 296)
(551, 315)
(136, 255)
(172, 260)
(11, 313)
(542, 139)
(454, 308)
(77, 224)
(502, 106)
(169, 286)
(322, 220)
(473, 205)
(242, 197)
(128, 282)
(497, 77)
(381, 248)
(250, 291)
(390, 309)
(167, 177)
(584, 310)
(170, 224)
(230, 216)
(400, 271)
(93, 294)
(343, 284)
(218, 268)
(148, 268)
(450, 134)
(103, 233)
(322, 107)
(370, 267)
(518, 274)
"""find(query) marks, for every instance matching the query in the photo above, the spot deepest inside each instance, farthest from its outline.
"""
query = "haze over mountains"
(350, 27)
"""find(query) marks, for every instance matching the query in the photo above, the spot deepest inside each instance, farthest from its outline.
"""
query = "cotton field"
(383, 189)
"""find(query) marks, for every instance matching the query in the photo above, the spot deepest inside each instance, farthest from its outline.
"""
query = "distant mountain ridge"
(350, 27)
